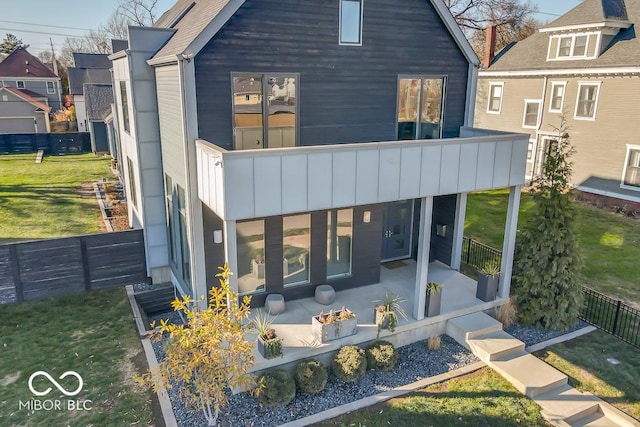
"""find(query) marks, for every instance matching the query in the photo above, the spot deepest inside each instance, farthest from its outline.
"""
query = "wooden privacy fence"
(45, 268)
(51, 143)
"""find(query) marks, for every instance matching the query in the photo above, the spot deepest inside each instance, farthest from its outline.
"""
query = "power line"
(43, 32)
(46, 25)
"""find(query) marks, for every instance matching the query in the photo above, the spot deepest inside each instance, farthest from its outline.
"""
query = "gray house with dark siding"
(305, 143)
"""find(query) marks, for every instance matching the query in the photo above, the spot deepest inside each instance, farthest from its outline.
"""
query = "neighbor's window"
(557, 96)
(574, 46)
(125, 106)
(51, 88)
(132, 183)
(251, 256)
(296, 247)
(20, 84)
(631, 175)
(587, 100)
(579, 46)
(339, 242)
(351, 22)
(495, 97)
(531, 114)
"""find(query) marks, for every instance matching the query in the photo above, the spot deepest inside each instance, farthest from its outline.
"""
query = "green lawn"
(584, 360)
(610, 243)
(40, 201)
(92, 334)
(481, 399)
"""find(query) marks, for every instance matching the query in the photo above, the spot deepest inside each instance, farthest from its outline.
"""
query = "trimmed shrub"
(350, 364)
(276, 388)
(382, 355)
(311, 376)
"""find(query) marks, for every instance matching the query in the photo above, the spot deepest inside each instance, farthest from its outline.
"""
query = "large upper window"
(339, 242)
(531, 113)
(573, 46)
(296, 247)
(587, 100)
(251, 256)
(420, 107)
(264, 111)
(557, 96)
(495, 97)
(125, 106)
(351, 12)
(631, 174)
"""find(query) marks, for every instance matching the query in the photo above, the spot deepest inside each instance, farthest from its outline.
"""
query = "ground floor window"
(251, 256)
(339, 242)
(133, 196)
(178, 237)
(184, 241)
(631, 175)
(296, 247)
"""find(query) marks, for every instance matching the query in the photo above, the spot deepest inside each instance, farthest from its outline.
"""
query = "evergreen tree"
(546, 275)
(10, 43)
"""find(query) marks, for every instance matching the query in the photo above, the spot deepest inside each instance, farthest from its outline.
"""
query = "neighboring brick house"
(585, 65)
(21, 70)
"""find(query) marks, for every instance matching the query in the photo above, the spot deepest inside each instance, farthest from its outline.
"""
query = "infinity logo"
(55, 383)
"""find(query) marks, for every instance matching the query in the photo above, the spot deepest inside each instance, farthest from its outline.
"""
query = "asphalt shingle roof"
(91, 60)
(98, 100)
(21, 63)
(78, 77)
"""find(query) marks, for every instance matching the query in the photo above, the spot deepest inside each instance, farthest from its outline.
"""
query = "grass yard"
(92, 334)
(39, 201)
(584, 360)
(610, 243)
(480, 399)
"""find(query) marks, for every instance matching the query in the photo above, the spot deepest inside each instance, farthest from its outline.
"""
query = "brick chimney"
(489, 46)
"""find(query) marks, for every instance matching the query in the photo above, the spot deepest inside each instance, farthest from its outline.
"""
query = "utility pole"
(55, 71)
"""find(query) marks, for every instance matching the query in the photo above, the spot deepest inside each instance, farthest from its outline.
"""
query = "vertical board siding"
(170, 117)
(46, 268)
(345, 93)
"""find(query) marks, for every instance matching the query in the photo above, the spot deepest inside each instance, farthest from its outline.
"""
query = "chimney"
(489, 46)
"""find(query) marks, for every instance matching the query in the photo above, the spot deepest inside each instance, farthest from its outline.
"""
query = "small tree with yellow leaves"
(210, 353)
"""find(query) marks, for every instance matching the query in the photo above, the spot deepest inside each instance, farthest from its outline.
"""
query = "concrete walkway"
(562, 405)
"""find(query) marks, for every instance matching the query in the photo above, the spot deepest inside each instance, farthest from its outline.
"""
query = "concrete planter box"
(269, 351)
(433, 303)
(487, 286)
(324, 332)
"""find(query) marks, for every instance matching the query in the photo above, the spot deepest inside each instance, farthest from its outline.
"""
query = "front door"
(397, 230)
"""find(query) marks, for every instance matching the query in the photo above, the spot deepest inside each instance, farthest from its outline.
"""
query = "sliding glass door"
(420, 107)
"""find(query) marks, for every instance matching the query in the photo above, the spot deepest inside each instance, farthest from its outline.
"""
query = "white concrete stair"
(493, 346)
(472, 325)
(530, 375)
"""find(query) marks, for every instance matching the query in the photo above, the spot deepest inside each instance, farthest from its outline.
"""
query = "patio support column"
(231, 253)
(509, 244)
(422, 265)
(458, 231)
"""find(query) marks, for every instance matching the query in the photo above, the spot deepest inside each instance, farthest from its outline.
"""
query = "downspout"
(472, 87)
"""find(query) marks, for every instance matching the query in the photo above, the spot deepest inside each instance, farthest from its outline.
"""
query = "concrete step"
(494, 346)
(566, 402)
(471, 325)
(597, 419)
(528, 374)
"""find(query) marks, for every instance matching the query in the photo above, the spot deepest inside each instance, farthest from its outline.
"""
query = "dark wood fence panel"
(51, 143)
(45, 268)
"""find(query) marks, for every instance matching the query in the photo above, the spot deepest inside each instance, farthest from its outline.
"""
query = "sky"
(37, 21)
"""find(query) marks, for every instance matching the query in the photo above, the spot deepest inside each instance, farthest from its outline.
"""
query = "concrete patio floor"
(294, 325)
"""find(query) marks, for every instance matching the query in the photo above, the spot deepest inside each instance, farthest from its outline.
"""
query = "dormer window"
(573, 46)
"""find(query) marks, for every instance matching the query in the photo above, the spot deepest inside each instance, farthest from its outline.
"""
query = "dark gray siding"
(444, 213)
(99, 140)
(170, 117)
(345, 93)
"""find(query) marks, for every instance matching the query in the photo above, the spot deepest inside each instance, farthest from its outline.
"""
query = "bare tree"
(139, 12)
(116, 26)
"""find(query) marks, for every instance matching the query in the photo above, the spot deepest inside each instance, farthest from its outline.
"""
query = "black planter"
(432, 303)
(487, 286)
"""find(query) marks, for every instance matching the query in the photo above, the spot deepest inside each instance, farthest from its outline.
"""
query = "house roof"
(118, 45)
(28, 98)
(78, 77)
(197, 21)
(530, 54)
(91, 60)
(98, 100)
(21, 63)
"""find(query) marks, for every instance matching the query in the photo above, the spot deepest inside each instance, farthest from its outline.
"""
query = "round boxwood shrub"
(310, 376)
(350, 364)
(382, 355)
(277, 387)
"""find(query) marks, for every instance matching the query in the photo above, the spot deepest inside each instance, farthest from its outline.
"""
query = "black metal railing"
(477, 255)
(612, 316)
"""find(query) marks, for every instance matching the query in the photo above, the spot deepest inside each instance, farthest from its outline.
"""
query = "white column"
(231, 252)
(509, 244)
(422, 265)
(458, 230)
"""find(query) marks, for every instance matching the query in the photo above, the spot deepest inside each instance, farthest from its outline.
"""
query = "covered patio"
(294, 325)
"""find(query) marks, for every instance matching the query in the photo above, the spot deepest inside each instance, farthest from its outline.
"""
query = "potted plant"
(269, 344)
(387, 310)
(334, 325)
(433, 300)
(488, 280)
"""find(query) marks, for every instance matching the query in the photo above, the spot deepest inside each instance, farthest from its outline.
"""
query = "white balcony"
(246, 184)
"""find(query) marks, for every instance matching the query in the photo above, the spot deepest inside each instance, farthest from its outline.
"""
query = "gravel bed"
(532, 335)
(415, 362)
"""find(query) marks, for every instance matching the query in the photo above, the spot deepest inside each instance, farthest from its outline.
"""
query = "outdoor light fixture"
(217, 236)
(441, 230)
(366, 217)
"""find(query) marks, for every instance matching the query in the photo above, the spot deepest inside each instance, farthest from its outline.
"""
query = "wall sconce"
(441, 230)
(217, 236)
(366, 217)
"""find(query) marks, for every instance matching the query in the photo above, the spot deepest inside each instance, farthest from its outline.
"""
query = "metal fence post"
(615, 319)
